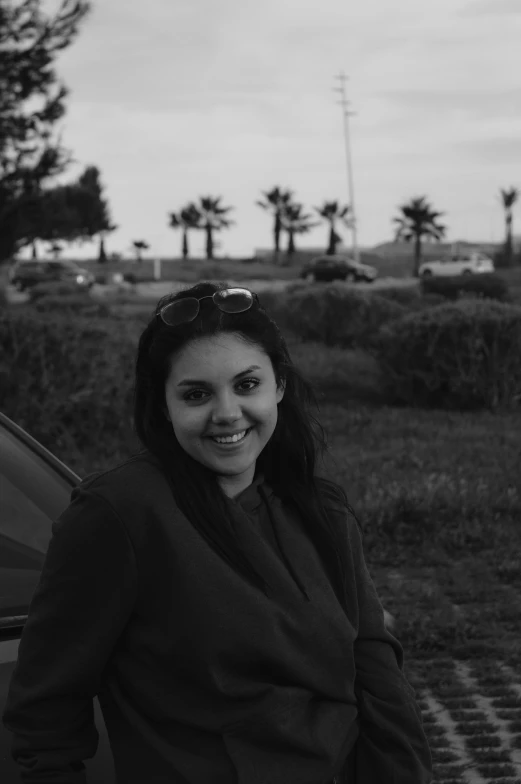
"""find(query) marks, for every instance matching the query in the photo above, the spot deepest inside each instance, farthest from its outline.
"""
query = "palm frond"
(275, 199)
(211, 214)
(509, 197)
(418, 220)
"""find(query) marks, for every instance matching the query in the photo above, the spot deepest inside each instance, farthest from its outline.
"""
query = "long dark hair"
(288, 461)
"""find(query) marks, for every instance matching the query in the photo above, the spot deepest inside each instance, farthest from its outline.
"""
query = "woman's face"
(220, 386)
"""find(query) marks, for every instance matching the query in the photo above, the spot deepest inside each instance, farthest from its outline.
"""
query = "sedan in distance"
(330, 268)
(474, 263)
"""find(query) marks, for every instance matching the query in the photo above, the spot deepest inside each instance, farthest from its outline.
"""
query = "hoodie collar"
(249, 499)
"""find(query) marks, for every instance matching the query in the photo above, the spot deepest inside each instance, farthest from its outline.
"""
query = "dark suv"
(329, 268)
(25, 274)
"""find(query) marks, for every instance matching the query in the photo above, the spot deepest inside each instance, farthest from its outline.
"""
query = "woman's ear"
(281, 389)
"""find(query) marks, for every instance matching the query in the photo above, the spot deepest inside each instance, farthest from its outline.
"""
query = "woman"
(212, 589)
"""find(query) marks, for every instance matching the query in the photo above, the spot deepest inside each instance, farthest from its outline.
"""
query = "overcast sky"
(173, 99)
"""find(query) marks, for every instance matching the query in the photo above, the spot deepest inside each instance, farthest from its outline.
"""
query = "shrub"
(432, 299)
(338, 316)
(72, 303)
(458, 355)
(69, 382)
(404, 295)
(489, 286)
(56, 289)
(298, 285)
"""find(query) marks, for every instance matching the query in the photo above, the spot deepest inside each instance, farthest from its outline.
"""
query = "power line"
(344, 103)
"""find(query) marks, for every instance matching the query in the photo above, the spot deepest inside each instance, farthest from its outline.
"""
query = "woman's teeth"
(231, 439)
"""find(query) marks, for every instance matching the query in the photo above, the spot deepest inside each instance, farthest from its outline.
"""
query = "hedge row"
(462, 354)
(79, 353)
(488, 286)
(465, 355)
(69, 382)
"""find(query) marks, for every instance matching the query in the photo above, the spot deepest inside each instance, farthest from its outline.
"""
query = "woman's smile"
(231, 441)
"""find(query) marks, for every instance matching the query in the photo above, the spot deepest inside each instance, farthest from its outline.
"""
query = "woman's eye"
(193, 399)
(254, 382)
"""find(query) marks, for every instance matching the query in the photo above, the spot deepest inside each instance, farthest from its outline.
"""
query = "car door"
(29, 273)
(35, 488)
(484, 263)
(54, 271)
(324, 269)
(450, 266)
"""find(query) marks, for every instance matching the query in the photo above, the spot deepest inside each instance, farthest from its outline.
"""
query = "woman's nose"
(226, 409)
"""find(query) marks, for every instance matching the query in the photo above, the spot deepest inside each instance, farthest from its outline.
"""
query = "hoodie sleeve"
(392, 746)
(86, 593)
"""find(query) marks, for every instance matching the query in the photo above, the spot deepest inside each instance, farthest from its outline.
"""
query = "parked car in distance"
(35, 488)
(25, 274)
(471, 263)
(329, 268)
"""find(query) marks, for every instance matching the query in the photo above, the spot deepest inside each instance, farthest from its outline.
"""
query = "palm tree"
(213, 218)
(275, 201)
(331, 211)
(187, 218)
(418, 220)
(508, 199)
(140, 245)
(295, 221)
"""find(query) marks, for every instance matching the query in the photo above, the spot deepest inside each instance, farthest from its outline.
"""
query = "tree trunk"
(185, 243)
(209, 242)
(35, 250)
(276, 233)
(417, 254)
(102, 256)
(508, 236)
(276, 237)
(291, 243)
(332, 244)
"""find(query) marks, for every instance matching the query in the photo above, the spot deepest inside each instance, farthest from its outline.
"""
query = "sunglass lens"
(180, 311)
(234, 300)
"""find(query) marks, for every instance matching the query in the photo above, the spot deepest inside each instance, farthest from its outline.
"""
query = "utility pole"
(346, 113)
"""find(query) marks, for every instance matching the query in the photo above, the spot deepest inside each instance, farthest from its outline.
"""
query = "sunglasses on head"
(181, 311)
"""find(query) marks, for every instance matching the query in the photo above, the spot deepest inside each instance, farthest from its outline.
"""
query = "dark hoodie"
(201, 677)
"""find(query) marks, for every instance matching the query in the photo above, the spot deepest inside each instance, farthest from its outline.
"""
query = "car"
(471, 263)
(35, 488)
(329, 268)
(26, 274)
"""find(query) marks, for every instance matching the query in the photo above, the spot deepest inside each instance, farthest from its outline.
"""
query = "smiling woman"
(212, 590)
(224, 421)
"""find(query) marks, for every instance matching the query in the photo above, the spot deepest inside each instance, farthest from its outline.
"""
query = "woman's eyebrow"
(191, 381)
